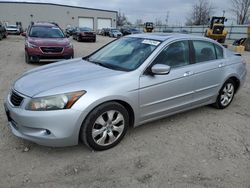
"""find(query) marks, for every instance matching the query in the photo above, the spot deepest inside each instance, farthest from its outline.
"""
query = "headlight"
(55, 102)
(30, 45)
(70, 45)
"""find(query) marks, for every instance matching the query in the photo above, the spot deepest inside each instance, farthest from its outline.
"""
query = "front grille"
(89, 33)
(52, 49)
(15, 99)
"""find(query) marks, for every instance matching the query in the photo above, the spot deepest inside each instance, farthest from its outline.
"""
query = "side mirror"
(160, 69)
(225, 20)
(24, 34)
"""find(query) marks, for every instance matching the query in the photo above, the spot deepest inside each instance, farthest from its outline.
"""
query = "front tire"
(27, 58)
(78, 39)
(105, 126)
(226, 95)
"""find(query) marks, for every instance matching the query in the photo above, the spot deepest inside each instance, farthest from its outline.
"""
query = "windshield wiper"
(109, 66)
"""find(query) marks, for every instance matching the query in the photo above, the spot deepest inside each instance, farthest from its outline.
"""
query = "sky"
(147, 10)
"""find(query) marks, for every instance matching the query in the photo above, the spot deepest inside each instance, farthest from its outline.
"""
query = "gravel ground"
(204, 147)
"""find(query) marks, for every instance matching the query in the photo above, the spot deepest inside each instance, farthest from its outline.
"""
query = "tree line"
(203, 9)
(200, 13)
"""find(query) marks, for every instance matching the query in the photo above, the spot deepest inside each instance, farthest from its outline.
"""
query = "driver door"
(160, 95)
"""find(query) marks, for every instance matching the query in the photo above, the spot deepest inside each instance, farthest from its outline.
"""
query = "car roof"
(165, 36)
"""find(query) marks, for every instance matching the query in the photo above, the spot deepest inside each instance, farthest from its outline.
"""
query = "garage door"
(86, 22)
(103, 23)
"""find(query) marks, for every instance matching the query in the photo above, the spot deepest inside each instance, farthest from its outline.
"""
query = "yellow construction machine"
(244, 41)
(148, 27)
(216, 29)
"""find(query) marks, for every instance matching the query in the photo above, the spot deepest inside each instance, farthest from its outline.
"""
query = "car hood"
(60, 74)
(49, 41)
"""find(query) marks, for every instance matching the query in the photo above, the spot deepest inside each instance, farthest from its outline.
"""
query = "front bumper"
(36, 54)
(49, 128)
(13, 32)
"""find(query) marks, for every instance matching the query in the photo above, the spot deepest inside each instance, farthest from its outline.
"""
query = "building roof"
(54, 4)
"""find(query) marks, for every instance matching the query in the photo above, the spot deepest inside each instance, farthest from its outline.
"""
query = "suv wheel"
(226, 95)
(27, 58)
(105, 126)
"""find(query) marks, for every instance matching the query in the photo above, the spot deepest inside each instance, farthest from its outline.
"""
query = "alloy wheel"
(227, 94)
(108, 127)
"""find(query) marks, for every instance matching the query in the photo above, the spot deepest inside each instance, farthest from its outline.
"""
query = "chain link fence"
(234, 31)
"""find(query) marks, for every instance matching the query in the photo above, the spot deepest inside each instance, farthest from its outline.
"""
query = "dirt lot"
(204, 147)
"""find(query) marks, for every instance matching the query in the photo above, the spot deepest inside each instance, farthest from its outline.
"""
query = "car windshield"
(85, 29)
(46, 32)
(125, 54)
(12, 26)
(115, 30)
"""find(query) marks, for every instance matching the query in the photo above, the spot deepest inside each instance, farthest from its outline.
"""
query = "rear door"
(208, 70)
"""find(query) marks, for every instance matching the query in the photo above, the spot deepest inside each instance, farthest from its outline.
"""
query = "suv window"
(204, 51)
(219, 52)
(174, 55)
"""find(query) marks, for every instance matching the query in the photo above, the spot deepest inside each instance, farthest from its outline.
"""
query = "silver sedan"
(131, 81)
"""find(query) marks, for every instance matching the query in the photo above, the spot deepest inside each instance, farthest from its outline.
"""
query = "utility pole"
(166, 20)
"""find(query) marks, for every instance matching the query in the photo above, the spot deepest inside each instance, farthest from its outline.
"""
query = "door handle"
(221, 65)
(188, 73)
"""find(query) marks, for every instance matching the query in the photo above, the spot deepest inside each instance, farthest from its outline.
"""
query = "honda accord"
(128, 82)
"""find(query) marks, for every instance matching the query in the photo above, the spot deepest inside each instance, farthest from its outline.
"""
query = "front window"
(12, 26)
(115, 31)
(174, 55)
(125, 54)
(46, 32)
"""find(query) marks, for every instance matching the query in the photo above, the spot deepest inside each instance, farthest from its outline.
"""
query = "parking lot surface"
(204, 147)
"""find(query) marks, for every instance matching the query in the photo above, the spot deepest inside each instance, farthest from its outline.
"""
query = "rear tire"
(105, 126)
(226, 95)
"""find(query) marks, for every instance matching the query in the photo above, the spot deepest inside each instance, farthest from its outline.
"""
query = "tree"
(200, 14)
(122, 19)
(241, 10)
(158, 21)
(138, 22)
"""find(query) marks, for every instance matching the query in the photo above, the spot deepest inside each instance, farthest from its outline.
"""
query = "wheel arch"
(125, 104)
(236, 80)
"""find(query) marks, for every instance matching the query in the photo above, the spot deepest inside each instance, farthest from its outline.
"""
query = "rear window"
(204, 51)
(85, 29)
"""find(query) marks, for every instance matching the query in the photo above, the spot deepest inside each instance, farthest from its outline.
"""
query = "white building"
(63, 15)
